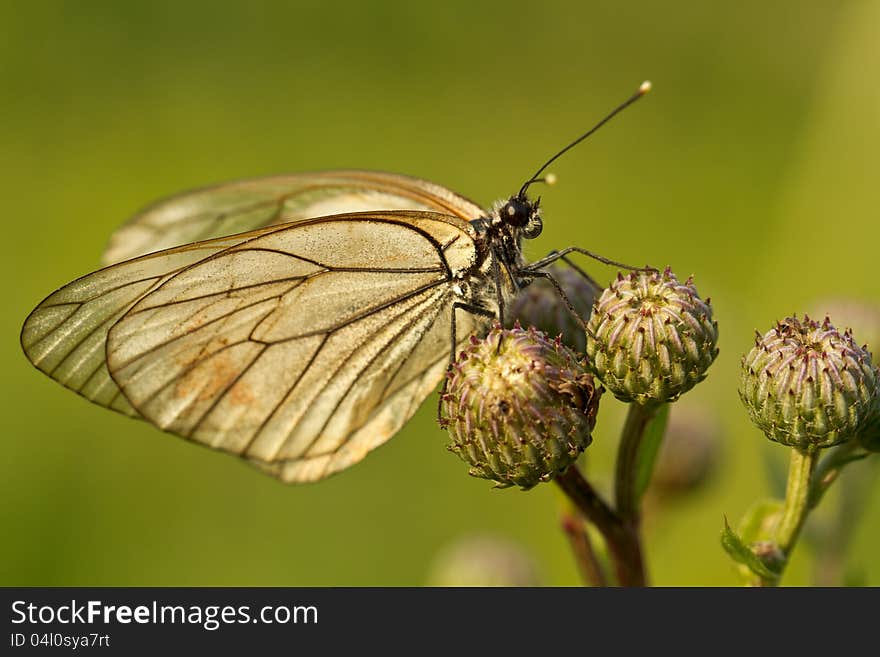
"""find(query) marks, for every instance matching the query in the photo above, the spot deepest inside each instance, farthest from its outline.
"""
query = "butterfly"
(295, 321)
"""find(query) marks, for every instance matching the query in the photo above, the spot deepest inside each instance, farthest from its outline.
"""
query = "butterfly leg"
(559, 291)
(557, 255)
(580, 272)
(496, 276)
(474, 310)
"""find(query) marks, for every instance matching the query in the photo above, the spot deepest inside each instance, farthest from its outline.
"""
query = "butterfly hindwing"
(244, 205)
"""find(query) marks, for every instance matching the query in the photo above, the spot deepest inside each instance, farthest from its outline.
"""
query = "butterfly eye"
(533, 228)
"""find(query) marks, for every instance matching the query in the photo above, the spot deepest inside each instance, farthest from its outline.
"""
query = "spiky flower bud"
(863, 320)
(651, 338)
(806, 384)
(519, 407)
(540, 305)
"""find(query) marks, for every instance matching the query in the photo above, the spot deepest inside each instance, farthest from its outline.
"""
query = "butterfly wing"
(244, 205)
(65, 336)
(300, 347)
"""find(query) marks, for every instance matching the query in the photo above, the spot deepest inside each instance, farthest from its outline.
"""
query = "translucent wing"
(65, 335)
(244, 205)
(300, 347)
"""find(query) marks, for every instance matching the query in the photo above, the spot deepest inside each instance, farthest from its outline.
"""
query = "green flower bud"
(651, 338)
(806, 385)
(540, 305)
(519, 407)
(483, 561)
(863, 321)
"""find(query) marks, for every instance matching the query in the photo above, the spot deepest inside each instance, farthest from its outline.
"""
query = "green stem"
(796, 507)
(829, 468)
(627, 471)
(797, 499)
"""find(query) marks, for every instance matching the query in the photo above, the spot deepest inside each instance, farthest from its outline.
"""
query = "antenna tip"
(550, 179)
(645, 87)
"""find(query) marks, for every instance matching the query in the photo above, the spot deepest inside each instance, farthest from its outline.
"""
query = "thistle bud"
(807, 385)
(540, 305)
(863, 321)
(519, 407)
(651, 338)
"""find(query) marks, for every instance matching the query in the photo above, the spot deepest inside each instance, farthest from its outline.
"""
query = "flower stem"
(585, 556)
(627, 471)
(622, 539)
(797, 499)
(795, 508)
(829, 468)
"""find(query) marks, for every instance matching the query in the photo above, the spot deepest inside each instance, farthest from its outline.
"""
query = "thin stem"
(585, 556)
(587, 500)
(829, 468)
(797, 499)
(622, 539)
(795, 509)
(626, 475)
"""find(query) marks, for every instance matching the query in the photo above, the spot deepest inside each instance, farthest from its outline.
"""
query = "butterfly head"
(519, 212)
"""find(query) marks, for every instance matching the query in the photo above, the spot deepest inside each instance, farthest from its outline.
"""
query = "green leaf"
(649, 448)
(741, 553)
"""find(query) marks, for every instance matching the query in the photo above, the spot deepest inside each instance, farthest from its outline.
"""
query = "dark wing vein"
(380, 352)
(103, 293)
(265, 421)
(226, 389)
(366, 313)
(220, 318)
(332, 376)
(110, 320)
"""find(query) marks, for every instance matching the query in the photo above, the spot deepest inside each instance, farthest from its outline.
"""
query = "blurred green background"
(753, 165)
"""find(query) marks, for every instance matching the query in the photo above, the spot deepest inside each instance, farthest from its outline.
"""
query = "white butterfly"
(303, 342)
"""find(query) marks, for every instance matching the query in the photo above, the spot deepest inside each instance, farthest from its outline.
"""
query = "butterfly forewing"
(249, 204)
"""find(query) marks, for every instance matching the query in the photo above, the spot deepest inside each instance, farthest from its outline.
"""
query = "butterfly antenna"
(644, 88)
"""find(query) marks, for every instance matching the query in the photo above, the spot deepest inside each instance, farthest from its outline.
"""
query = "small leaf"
(741, 553)
(649, 448)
